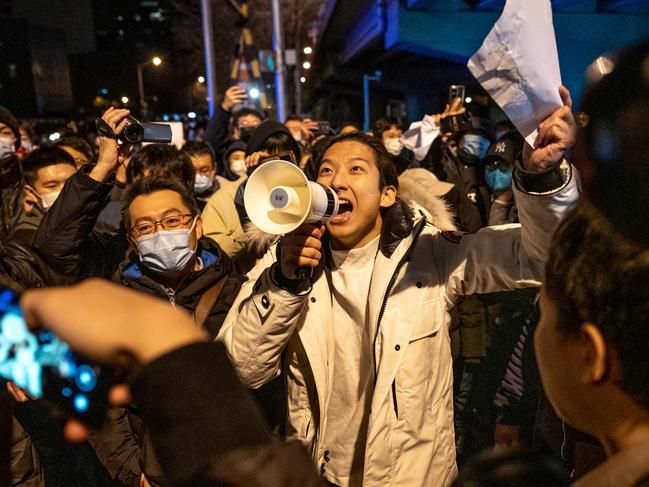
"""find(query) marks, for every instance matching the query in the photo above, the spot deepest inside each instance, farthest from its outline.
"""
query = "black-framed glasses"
(170, 222)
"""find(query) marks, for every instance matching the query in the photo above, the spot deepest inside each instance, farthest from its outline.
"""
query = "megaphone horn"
(279, 198)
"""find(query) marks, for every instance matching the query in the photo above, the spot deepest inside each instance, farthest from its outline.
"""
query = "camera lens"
(133, 132)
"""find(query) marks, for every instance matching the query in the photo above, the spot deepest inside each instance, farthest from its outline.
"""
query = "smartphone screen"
(45, 367)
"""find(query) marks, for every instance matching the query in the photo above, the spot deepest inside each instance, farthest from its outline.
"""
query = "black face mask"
(245, 133)
(466, 158)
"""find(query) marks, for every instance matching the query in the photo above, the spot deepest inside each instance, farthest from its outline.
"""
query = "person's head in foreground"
(513, 468)
(361, 171)
(591, 342)
(164, 226)
(613, 148)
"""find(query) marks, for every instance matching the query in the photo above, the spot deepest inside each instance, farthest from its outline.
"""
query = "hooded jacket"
(235, 146)
(419, 274)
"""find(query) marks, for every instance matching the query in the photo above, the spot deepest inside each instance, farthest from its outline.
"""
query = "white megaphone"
(279, 198)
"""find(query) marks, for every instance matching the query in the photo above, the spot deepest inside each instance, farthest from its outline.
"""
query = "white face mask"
(393, 145)
(48, 199)
(7, 145)
(297, 137)
(167, 250)
(26, 145)
(238, 167)
(202, 183)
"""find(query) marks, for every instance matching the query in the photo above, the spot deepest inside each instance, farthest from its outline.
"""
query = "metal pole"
(140, 85)
(297, 71)
(366, 97)
(366, 103)
(280, 66)
(208, 42)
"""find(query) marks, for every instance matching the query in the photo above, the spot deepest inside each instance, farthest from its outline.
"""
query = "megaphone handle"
(303, 273)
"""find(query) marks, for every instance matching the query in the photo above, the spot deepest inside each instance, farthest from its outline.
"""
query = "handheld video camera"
(135, 132)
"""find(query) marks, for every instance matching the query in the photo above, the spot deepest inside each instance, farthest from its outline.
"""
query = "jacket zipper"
(171, 294)
(391, 285)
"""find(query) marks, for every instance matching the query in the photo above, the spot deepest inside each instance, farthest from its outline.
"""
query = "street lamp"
(125, 100)
(308, 50)
(307, 65)
(156, 61)
(201, 79)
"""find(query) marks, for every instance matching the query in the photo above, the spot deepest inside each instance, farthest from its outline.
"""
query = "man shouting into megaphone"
(364, 343)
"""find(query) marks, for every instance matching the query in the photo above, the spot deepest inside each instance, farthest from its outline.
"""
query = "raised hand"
(557, 134)
(233, 96)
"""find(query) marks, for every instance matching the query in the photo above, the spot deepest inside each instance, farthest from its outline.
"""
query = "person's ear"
(199, 228)
(388, 196)
(594, 354)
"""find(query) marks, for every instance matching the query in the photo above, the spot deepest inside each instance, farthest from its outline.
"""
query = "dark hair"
(152, 184)
(161, 160)
(594, 274)
(387, 170)
(243, 112)
(513, 468)
(77, 143)
(383, 124)
(200, 148)
(348, 124)
(293, 118)
(44, 157)
(27, 127)
(280, 142)
(612, 149)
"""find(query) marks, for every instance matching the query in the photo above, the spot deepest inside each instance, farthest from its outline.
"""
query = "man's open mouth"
(345, 209)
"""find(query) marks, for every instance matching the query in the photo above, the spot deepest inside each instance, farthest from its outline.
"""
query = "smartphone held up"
(46, 368)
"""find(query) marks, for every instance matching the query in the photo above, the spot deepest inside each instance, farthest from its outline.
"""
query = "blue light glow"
(86, 379)
(81, 403)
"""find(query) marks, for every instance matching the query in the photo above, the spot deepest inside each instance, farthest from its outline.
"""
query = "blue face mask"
(475, 145)
(498, 179)
(167, 250)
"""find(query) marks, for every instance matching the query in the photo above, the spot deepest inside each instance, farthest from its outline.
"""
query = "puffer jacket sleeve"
(507, 256)
(65, 238)
(260, 324)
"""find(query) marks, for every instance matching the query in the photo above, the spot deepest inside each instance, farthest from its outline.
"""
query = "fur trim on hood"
(257, 240)
(415, 190)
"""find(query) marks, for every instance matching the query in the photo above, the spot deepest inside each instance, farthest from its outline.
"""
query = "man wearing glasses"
(169, 258)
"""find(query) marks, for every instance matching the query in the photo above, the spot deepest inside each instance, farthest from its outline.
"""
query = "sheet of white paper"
(420, 136)
(518, 64)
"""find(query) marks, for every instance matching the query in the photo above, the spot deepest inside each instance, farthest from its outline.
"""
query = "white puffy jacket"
(418, 275)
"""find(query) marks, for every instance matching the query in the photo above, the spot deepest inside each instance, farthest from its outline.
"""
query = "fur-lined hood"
(414, 189)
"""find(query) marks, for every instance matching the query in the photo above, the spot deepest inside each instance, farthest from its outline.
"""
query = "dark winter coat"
(65, 239)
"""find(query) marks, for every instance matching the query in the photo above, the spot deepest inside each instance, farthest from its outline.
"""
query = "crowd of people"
(469, 319)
